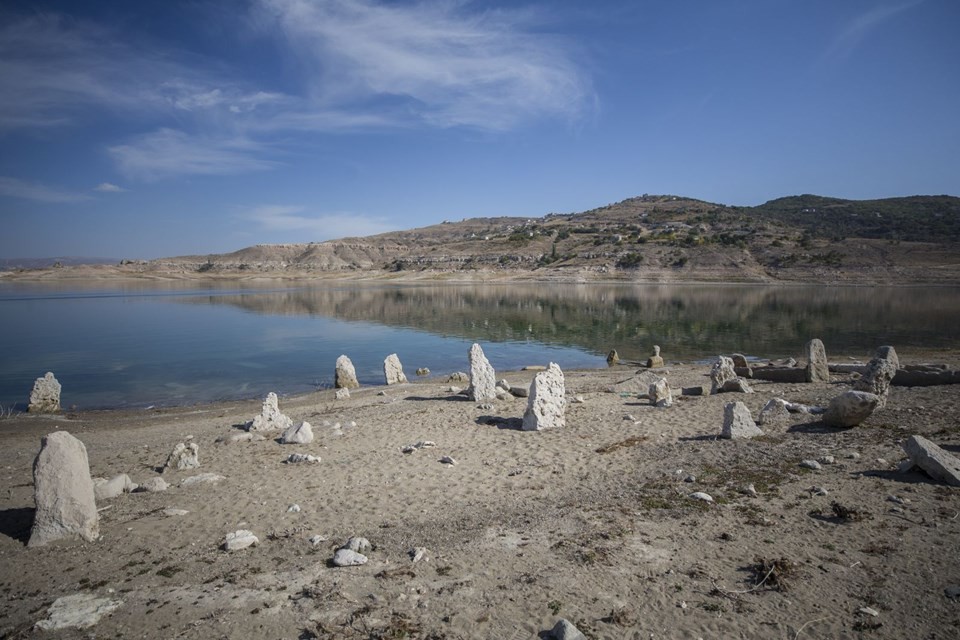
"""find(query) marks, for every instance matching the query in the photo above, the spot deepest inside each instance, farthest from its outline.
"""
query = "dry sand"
(591, 522)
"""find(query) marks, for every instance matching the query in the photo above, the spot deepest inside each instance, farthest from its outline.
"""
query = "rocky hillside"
(642, 239)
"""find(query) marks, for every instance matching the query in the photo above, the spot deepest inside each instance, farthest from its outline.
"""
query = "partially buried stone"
(423, 371)
(547, 403)
(345, 375)
(104, 489)
(183, 456)
(342, 394)
(347, 558)
(850, 409)
(721, 373)
(298, 434)
(738, 424)
(879, 374)
(63, 492)
(152, 485)
(270, 418)
(659, 393)
(393, 370)
(774, 412)
(45, 397)
(239, 540)
(938, 464)
(301, 458)
(565, 630)
(78, 611)
(655, 361)
(613, 358)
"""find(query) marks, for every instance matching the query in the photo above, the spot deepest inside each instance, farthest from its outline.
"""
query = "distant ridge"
(648, 238)
(9, 264)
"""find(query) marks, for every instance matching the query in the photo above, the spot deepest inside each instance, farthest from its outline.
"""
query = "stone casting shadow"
(904, 477)
(513, 424)
(16, 523)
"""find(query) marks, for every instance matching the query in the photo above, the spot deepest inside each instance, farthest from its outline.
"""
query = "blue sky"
(148, 129)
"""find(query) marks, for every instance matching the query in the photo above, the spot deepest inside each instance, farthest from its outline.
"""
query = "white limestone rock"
(152, 485)
(183, 456)
(547, 403)
(63, 492)
(566, 630)
(393, 370)
(344, 557)
(104, 489)
(817, 369)
(483, 379)
(78, 611)
(301, 458)
(659, 393)
(850, 409)
(738, 424)
(345, 376)
(270, 418)
(298, 434)
(342, 394)
(700, 495)
(774, 412)
(879, 374)
(938, 463)
(721, 373)
(240, 539)
(45, 397)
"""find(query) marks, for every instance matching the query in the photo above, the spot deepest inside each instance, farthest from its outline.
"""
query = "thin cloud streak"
(448, 68)
(860, 27)
(169, 152)
(108, 187)
(294, 218)
(16, 188)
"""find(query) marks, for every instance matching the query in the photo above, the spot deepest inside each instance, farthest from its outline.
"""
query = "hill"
(650, 238)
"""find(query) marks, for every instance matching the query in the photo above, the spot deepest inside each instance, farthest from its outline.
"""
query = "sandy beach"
(592, 522)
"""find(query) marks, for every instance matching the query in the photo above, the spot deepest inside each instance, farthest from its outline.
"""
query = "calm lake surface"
(142, 344)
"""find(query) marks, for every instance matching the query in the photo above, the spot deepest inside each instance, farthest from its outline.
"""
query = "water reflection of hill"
(688, 321)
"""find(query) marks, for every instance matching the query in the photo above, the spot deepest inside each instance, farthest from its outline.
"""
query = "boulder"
(345, 376)
(183, 456)
(737, 385)
(298, 434)
(879, 375)
(483, 379)
(344, 557)
(547, 402)
(739, 361)
(45, 397)
(938, 464)
(738, 424)
(153, 485)
(774, 412)
(63, 492)
(655, 361)
(817, 369)
(850, 409)
(393, 370)
(270, 418)
(104, 489)
(721, 373)
(659, 393)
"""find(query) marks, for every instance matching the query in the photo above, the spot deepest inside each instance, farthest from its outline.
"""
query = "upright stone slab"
(938, 463)
(655, 361)
(547, 401)
(483, 379)
(45, 397)
(721, 373)
(738, 424)
(270, 418)
(393, 370)
(850, 409)
(879, 374)
(659, 393)
(817, 369)
(63, 492)
(345, 376)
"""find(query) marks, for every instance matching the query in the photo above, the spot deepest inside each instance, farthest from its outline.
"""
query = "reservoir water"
(142, 344)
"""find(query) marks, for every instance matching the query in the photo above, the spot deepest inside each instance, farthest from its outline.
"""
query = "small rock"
(183, 456)
(868, 611)
(750, 490)
(423, 371)
(952, 592)
(853, 455)
(298, 434)
(738, 423)
(690, 478)
(239, 540)
(700, 495)
(810, 464)
(448, 460)
(152, 485)
(827, 460)
(417, 554)
(347, 558)
(342, 394)
(577, 400)
(565, 630)
(358, 544)
(818, 491)
(316, 539)
(298, 458)
(294, 508)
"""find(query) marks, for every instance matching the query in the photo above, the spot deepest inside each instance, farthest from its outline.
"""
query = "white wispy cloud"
(108, 187)
(858, 29)
(297, 219)
(450, 67)
(169, 152)
(16, 188)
